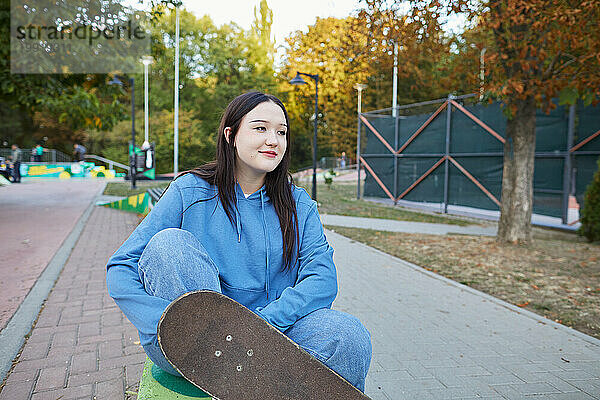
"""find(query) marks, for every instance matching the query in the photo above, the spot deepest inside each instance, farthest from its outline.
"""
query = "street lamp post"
(176, 100)
(360, 87)
(146, 60)
(299, 81)
(132, 158)
(395, 81)
(481, 72)
(481, 69)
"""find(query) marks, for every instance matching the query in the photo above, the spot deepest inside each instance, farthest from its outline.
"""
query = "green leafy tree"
(215, 66)
(57, 106)
(360, 50)
(261, 45)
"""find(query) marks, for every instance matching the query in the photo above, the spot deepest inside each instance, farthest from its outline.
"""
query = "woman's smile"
(269, 153)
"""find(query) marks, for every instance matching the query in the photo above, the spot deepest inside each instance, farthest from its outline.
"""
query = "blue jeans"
(174, 262)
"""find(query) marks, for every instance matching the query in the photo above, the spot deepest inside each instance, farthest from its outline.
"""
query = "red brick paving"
(35, 218)
(82, 346)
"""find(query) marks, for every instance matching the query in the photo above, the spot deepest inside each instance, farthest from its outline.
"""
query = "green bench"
(159, 385)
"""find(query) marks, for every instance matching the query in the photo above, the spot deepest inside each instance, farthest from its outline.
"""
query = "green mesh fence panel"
(431, 140)
(551, 129)
(547, 204)
(385, 127)
(384, 168)
(588, 124)
(431, 189)
(548, 173)
(469, 137)
(466, 136)
(462, 191)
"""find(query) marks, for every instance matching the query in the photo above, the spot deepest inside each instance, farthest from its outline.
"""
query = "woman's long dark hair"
(278, 183)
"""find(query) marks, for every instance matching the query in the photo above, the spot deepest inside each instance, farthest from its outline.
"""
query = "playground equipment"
(68, 170)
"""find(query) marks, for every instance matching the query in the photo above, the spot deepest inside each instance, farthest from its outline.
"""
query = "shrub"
(590, 213)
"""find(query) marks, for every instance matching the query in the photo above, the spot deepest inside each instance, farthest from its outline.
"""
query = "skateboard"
(231, 353)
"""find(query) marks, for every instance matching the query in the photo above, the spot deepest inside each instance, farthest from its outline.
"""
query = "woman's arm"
(316, 286)
(122, 278)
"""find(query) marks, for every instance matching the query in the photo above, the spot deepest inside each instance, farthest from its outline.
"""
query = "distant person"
(38, 151)
(79, 152)
(343, 160)
(15, 158)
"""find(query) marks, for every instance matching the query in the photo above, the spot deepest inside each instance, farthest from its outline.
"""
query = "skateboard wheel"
(239, 368)
(250, 353)
(218, 353)
(228, 338)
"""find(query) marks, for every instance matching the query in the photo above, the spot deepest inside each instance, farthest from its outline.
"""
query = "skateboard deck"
(231, 353)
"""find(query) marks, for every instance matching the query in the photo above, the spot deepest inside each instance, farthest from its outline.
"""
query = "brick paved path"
(436, 339)
(432, 338)
(82, 346)
(35, 218)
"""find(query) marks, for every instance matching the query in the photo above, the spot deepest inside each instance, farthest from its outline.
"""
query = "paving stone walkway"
(407, 226)
(436, 339)
(82, 347)
(432, 338)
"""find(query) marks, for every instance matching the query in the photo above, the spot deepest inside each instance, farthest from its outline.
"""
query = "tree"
(590, 214)
(57, 106)
(215, 66)
(328, 49)
(261, 46)
(539, 49)
(359, 49)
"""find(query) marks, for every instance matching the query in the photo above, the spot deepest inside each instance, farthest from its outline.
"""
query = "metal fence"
(49, 155)
(450, 151)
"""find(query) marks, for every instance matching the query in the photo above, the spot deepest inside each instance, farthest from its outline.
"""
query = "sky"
(288, 16)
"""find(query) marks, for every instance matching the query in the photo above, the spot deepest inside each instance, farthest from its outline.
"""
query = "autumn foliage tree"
(543, 49)
(359, 49)
(538, 50)
(328, 49)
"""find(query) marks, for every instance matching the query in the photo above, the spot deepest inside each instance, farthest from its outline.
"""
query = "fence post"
(447, 151)
(358, 158)
(396, 129)
(568, 166)
(53, 156)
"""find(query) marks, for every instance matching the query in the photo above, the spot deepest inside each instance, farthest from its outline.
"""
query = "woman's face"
(261, 140)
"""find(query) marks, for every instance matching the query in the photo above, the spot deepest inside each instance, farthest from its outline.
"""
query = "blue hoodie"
(248, 254)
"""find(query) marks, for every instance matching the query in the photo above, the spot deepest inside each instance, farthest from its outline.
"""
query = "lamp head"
(115, 81)
(147, 60)
(298, 80)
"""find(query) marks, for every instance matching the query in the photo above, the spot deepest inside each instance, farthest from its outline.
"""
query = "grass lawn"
(124, 188)
(341, 200)
(559, 279)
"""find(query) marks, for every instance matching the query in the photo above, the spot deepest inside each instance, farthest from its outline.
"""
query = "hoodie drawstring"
(262, 206)
(238, 223)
